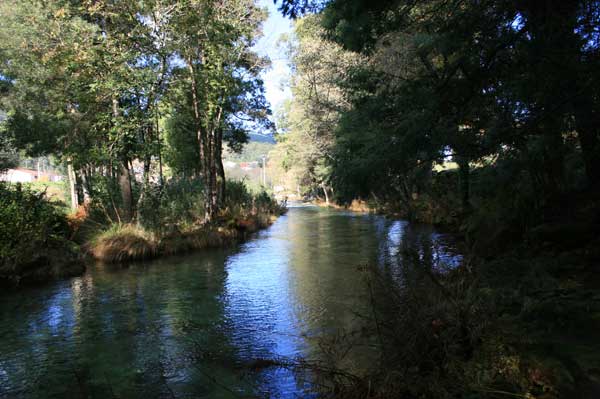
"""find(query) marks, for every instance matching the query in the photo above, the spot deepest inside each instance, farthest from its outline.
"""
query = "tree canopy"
(471, 82)
(106, 85)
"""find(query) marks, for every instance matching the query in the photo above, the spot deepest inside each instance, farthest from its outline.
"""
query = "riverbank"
(125, 243)
(355, 205)
(523, 324)
(35, 244)
(520, 316)
(39, 242)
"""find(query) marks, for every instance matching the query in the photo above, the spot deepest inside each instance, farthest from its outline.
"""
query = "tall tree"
(214, 40)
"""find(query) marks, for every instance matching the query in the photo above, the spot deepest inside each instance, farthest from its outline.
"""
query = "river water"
(194, 326)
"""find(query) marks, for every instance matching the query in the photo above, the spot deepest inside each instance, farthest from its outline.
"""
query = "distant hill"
(253, 151)
(262, 138)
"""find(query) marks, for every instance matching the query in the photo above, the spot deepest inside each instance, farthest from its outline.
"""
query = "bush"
(178, 202)
(34, 237)
(241, 203)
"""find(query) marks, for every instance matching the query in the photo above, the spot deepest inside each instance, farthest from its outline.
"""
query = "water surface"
(193, 326)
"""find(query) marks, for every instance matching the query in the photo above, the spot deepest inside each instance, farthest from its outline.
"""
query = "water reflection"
(193, 326)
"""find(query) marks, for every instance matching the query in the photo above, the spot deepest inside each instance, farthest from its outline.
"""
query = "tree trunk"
(464, 182)
(123, 176)
(212, 191)
(200, 135)
(159, 144)
(126, 195)
(325, 192)
(221, 182)
(72, 186)
(213, 158)
(86, 185)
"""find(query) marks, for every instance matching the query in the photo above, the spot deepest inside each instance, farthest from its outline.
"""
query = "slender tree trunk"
(147, 141)
(212, 208)
(213, 158)
(147, 156)
(159, 150)
(72, 186)
(86, 185)
(200, 136)
(124, 177)
(126, 195)
(325, 192)
(221, 182)
(464, 182)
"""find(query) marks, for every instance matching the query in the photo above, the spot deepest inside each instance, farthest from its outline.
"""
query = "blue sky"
(275, 78)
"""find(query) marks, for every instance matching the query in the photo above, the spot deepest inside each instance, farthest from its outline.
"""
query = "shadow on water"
(195, 325)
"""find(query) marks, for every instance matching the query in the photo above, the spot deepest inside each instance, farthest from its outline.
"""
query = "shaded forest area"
(480, 116)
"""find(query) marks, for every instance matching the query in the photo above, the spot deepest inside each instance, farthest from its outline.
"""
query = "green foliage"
(175, 205)
(237, 195)
(34, 237)
(240, 202)
(104, 86)
(306, 145)
(439, 81)
(182, 149)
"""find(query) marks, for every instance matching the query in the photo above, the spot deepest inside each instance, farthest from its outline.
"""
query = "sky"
(276, 77)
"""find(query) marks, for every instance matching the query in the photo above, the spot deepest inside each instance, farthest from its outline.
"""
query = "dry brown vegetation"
(128, 242)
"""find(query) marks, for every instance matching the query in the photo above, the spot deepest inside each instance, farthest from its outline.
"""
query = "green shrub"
(178, 202)
(241, 202)
(237, 196)
(34, 237)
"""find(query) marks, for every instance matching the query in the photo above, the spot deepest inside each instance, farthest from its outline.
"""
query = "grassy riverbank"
(128, 242)
(40, 242)
(174, 224)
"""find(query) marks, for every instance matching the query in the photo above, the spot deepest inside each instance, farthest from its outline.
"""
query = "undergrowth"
(175, 225)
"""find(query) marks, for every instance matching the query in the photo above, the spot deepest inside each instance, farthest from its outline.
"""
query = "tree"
(319, 67)
(214, 40)
(467, 80)
(89, 81)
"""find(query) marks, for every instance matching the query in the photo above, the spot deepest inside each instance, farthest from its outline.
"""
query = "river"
(193, 326)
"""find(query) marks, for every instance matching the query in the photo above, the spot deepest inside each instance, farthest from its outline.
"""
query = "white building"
(21, 175)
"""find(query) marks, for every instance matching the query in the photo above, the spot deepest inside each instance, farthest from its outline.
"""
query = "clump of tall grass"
(123, 242)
